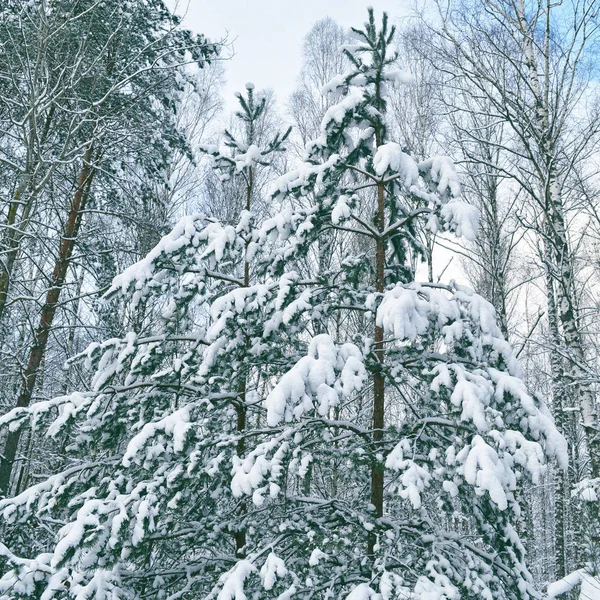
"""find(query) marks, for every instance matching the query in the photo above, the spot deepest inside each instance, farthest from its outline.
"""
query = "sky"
(267, 34)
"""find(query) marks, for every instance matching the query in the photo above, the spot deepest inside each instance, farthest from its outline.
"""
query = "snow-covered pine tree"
(148, 481)
(417, 430)
(241, 157)
(412, 490)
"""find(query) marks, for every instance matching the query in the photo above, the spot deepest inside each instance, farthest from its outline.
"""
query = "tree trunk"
(241, 409)
(12, 239)
(48, 312)
(240, 534)
(575, 377)
(561, 518)
(498, 260)
(557, 233)
(377, 469)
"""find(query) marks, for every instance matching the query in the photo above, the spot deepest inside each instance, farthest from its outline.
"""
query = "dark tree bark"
(241, 409)
(48, 312)
(377, 470)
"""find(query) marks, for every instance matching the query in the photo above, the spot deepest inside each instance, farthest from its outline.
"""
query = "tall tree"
(102, 72)
(533, 63)
(243, 158)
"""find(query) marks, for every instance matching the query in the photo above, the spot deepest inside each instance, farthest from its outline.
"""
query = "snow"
(587, 489)
(414, 480)
(451, 488)
(435, 587)
(175, 424)
(391, 587)
(407, 312)
(288, 594)
(327, 371)
(68, 406)
(298, 178)
(484, 469)
(41, 496)
(304, 464)
(341, 211)
(357, 35)
(440, 171)
(338, 112)
(391, 159)
(525, 452)
(315, 557)
(472, 393)
(249, 473)
(538, 422)
(233, 581)
(399, 76)
(235, 302)
(590, 585)
(362, 592)
(72, 534)
(403, 313)
(185, 233)
(272, 569)
(334, 85)
(190, 232)
(244, 160)
(461, 218)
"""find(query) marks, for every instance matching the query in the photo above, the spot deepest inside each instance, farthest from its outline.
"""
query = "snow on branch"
(316, 381)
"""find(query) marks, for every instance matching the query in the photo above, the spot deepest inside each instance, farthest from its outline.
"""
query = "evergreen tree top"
(242, 152)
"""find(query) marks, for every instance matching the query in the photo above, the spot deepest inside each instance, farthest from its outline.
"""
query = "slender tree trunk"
(563, 263)
(561, 477)
(48, 312)
(240, 533)
(575, 377)
(429, 247)
(15, 231)
(498, 262)
(575, 380)
(241, 408)
(377, 469)
(14, 234)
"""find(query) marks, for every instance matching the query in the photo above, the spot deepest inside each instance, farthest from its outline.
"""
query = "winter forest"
(337, 345)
